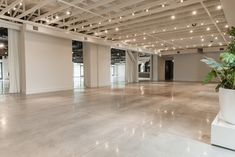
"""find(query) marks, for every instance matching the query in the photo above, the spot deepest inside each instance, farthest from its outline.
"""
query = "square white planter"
(222, 133)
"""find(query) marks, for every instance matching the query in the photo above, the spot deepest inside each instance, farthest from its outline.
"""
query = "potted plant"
(224, 71)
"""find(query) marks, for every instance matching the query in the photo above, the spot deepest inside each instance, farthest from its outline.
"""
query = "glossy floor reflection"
(4, 87)
(146, 119)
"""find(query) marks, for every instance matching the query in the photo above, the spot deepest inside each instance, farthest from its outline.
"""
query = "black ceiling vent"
(178, 52)
(200, 50)
(221, 49)
(35, 28)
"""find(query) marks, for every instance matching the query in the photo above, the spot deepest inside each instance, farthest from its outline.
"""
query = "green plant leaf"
(210, 76)
(212, 63)
(227, 58)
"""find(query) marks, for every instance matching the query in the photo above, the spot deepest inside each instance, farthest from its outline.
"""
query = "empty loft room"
(117, 78)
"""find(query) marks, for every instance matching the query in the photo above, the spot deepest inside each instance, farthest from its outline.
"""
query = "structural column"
(97, 61)
(132, 66)
(154, 68)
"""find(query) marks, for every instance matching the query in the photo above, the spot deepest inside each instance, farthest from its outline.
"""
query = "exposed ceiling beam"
(34, 8)
(121, 22)
(49, 13)
(9, 7)
(88, 16)
(214, 22)
(79, 12)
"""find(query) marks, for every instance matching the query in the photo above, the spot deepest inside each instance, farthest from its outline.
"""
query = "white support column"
(155, 68)
(97, 61)
(132, 67)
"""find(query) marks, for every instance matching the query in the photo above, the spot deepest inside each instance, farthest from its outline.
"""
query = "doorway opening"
(4, 71)
(169, 70)
(118, 65)
(78, 67)
(144, 66)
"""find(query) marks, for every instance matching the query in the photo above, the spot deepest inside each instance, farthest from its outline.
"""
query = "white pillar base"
(222, 133)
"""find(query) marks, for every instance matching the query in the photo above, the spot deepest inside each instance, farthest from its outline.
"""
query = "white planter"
(227, 105)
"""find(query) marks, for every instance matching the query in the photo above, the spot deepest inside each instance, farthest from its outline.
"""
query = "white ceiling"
(157, 25)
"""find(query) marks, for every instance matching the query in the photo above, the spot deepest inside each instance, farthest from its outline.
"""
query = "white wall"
(97, 60)
(187, 67)
(48, 63)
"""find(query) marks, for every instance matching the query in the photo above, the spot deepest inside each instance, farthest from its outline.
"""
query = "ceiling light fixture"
(163, 5)
(208, 28)
(219, 7)
(147, 10)
(191, 31)
(226, 26)
(133, 14)
(194, 12)
(181, 1)
(106, 31)
(202, 24)
(68, 13)
(2, 45)
(173, 17)
(116, 29)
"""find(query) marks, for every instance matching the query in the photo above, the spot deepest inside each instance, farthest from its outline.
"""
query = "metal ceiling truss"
(142, 23)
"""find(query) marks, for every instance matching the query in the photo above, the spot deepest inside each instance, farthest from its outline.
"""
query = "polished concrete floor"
(136, 120)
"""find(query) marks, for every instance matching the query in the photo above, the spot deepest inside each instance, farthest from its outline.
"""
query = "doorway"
(118, 65)
(78, 67)
(169, 70)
